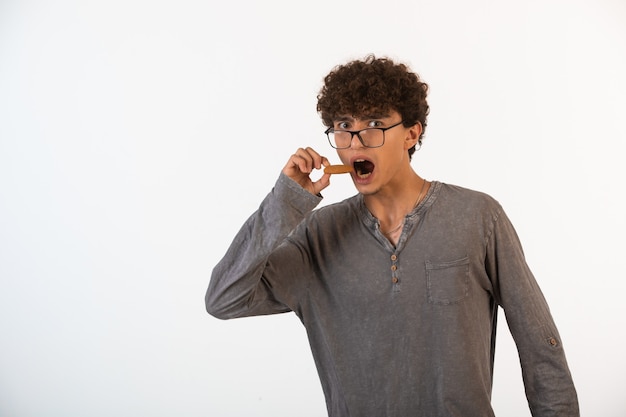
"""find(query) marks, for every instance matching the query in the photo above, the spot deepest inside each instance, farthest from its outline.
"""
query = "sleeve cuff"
(291, 192)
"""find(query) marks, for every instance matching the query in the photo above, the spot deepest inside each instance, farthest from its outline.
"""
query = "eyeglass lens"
(370, 137)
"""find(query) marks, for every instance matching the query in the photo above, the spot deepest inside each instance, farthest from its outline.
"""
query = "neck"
(391, 206)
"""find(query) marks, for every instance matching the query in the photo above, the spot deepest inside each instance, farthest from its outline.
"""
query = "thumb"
(322, 183)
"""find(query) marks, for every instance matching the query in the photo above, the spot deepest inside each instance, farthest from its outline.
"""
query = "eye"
(374, 123)
(342, 125)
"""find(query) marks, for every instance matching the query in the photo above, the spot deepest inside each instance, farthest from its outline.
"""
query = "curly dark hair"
(373, 84)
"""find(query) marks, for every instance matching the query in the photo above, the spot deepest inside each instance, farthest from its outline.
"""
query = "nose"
(356, 140)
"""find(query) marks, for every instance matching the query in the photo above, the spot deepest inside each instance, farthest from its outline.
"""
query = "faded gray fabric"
(405, 331)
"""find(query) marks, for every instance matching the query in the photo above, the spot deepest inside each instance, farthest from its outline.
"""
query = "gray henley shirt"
(398, 331)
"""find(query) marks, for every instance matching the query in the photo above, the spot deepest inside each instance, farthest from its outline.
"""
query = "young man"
(398, 286)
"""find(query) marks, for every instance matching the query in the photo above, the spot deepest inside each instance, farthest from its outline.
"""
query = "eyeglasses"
(372, 137)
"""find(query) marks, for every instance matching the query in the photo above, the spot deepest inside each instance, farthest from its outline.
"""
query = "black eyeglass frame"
(358, 135)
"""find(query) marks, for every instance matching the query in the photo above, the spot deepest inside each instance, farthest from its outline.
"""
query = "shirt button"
(394, 257)
(393, 267)
(394, 280)
(553, 341)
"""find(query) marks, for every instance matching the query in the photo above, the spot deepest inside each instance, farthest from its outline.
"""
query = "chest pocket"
(448, 282)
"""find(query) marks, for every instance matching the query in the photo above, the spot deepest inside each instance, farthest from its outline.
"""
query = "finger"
(316, 158)
(296, 165)
(305, 160)
(325, 161)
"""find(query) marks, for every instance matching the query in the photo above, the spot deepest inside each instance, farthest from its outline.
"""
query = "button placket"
(394, 272)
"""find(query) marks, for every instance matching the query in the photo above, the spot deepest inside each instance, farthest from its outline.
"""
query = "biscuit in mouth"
(338, 169)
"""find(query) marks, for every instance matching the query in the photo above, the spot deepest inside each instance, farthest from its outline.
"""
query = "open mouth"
(363, 168)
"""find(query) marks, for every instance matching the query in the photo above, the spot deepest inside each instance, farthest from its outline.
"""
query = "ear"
(413, 135)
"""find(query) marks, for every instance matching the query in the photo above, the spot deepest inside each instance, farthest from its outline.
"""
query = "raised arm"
(237, 288)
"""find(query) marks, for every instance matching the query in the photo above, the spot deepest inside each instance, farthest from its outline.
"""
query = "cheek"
(345, 159)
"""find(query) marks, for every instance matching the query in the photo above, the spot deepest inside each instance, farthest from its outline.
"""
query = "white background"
(136, 137)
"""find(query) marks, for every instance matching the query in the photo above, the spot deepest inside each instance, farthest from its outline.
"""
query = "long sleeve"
(237, 287)
(549, 387)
